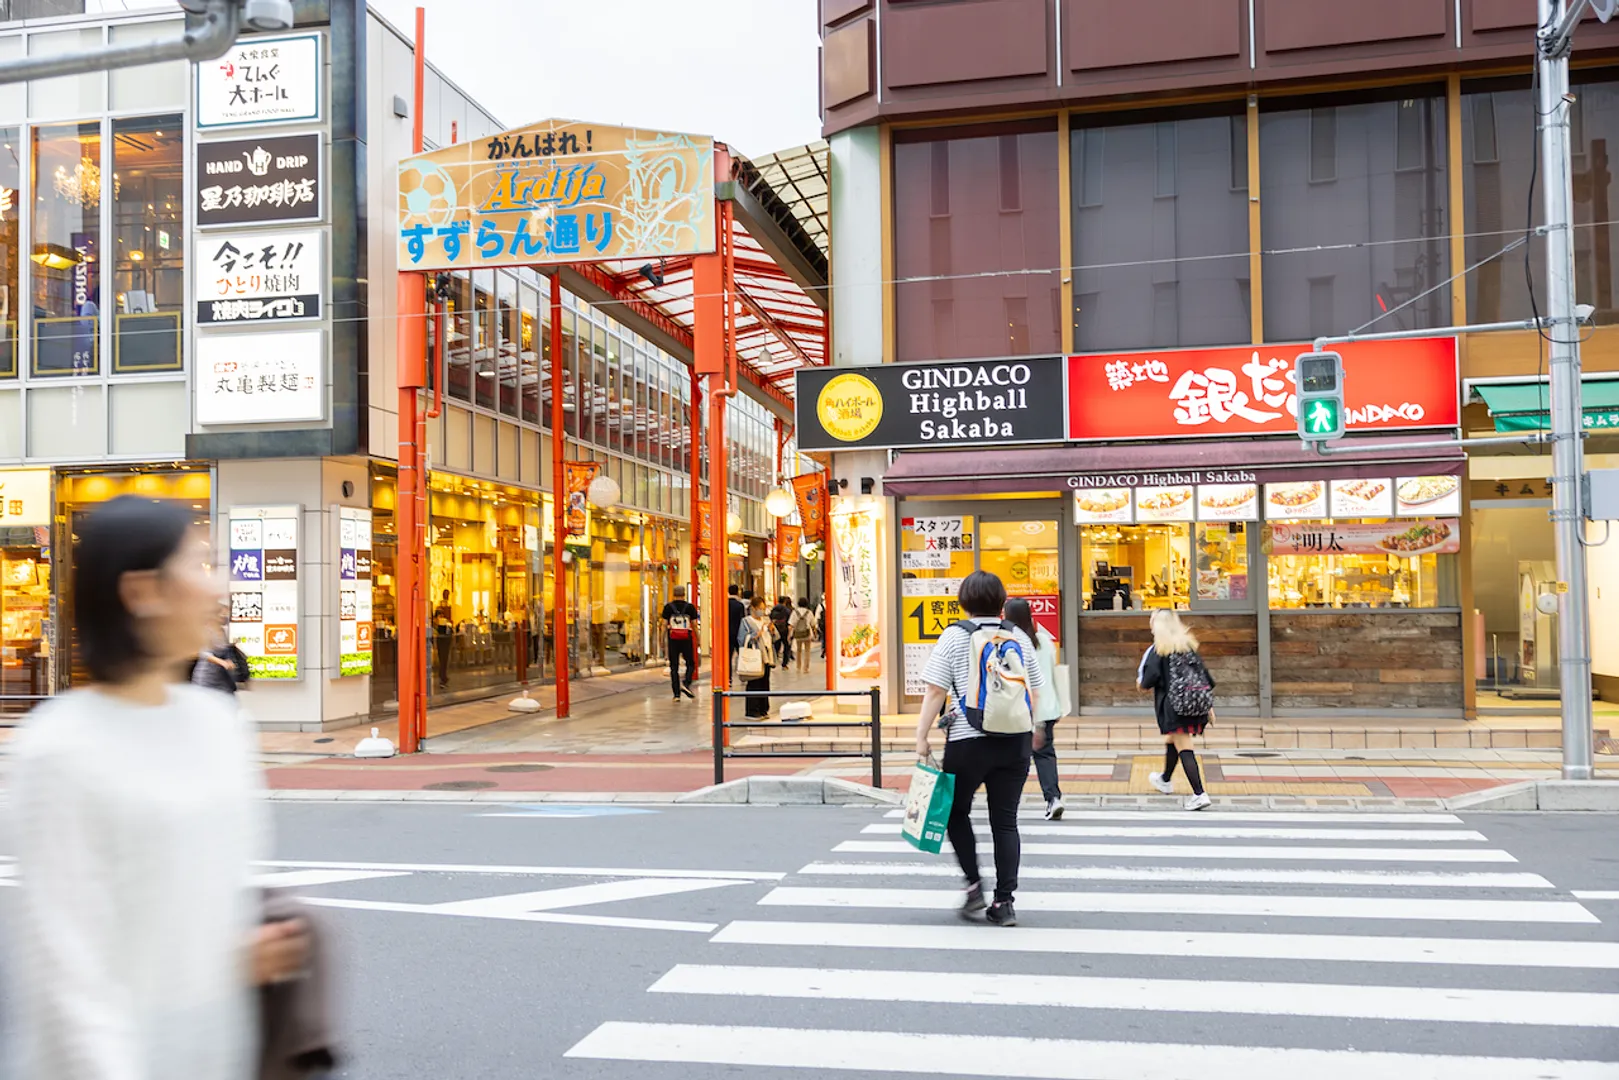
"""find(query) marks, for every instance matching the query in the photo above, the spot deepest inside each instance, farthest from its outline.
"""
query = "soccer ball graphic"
(427, 195)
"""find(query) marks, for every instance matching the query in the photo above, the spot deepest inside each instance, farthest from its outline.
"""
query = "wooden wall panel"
(1110, 648)
(1366, 660)
(964, 41)
(1101, 34)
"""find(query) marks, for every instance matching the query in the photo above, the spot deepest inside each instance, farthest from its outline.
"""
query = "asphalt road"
(699, 942)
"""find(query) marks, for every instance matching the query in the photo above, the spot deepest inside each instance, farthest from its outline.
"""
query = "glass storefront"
(25, 588)
(618, 584)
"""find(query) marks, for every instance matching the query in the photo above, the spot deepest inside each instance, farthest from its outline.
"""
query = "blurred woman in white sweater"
(138, 942)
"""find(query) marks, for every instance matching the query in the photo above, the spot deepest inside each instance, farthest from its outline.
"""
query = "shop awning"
(1064, 468)
(1524, 406)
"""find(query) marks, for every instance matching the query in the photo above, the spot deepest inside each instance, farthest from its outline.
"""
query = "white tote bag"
(750, 658)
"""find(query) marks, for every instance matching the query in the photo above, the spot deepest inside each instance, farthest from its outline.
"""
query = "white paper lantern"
(780, 503)
(733, 523)
(603, 492)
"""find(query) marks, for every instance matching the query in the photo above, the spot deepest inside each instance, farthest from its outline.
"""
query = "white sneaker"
(1198, 802)
(1157, 780)
(1054, 809)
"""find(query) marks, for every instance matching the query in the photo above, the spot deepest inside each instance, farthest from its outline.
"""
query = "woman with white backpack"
(983, 686)
(1182, 698)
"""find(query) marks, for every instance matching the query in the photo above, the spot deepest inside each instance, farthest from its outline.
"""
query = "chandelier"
(83, 184)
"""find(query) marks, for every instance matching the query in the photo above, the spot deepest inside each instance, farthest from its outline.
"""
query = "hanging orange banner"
(789, 541)
(705, 529)
(810, 490)
(579, 474)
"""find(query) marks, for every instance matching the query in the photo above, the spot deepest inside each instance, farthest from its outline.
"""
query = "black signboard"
(948, 403)
(259, 181)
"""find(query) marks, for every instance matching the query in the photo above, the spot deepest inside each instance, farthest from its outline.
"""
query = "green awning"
(1524, 406)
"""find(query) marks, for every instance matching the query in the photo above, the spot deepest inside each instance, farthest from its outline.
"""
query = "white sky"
(743, 71)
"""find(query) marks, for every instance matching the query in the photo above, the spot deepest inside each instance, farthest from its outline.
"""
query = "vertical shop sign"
(264, 607)
(705, 529)
(854, 544)
(810, 491)
(580, 474)
(261, 80)
(789, 544)
(353, 590)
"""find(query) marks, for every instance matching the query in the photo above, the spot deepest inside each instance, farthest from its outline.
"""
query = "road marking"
(1602, 955)
(579, 896)
(302, 879)
(8, 875)
(1187, 851)
(1203, 905)
(1587, 894)
(530, 916)
(1287, 816)
(868, 1052)
(1218, 832)
(535, 871)
(1203, 875)
(1412, 1003)
(558, 810)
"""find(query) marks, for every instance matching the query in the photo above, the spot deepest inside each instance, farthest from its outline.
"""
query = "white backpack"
(997, 701)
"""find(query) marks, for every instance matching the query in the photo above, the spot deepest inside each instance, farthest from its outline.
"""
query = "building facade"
(197, 303)
(1145, 219)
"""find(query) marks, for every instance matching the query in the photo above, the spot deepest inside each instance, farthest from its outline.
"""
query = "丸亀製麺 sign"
(260, 277)
(557, 192)
(954, 403)
(354, 595)
(269, 181)
(1249, 390)
(260, 378)
(262, 546)
(261, 80)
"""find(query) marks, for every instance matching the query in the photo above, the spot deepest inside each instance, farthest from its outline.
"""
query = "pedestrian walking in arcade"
(803, 628)
(1049, 710)
(680, 618)
(138, 942)
(980, 752)
(758, 637)
(1182, 698)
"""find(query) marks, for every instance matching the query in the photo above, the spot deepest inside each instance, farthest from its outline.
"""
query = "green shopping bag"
(927, 808)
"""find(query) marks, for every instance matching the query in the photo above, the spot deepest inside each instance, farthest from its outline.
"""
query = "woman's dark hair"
(803, 601)
(982, 595)
(1021, 615)
(124, 536)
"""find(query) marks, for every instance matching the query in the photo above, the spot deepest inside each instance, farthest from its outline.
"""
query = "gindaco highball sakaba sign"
(954, 403)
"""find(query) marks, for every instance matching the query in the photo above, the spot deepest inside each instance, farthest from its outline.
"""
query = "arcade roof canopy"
(639, 205)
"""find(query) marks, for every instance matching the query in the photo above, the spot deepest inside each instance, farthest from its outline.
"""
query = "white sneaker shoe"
(1157, 780)
(1054, 809)
(1198, 802)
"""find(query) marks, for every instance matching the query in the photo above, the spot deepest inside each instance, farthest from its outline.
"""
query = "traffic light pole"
(1563, 345)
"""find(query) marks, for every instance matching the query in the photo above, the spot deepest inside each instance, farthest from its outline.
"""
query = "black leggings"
(1001, 766)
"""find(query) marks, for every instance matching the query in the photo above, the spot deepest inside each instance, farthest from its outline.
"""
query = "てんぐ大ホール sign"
(557, 192)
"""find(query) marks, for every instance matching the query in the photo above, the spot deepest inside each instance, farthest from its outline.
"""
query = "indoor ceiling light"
(55, 256)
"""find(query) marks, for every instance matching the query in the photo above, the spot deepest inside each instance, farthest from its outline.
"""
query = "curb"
(1580, 795)
(792, 791)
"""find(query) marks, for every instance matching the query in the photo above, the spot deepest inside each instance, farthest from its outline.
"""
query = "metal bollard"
(717, 697)
(876, 737)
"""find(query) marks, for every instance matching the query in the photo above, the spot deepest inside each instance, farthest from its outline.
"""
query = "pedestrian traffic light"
(1320, 379)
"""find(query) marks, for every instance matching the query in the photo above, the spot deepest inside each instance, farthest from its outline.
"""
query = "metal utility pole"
(211, 34)
(1557, 21)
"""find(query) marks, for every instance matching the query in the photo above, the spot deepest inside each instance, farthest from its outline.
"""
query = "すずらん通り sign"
(953, 403)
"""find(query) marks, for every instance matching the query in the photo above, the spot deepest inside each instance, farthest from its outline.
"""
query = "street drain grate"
(460, 785)
(1258, 753)
(519, 768)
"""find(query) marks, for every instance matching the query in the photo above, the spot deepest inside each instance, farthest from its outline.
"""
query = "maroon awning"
(1065, 468)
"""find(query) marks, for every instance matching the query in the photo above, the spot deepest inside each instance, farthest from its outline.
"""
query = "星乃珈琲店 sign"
(557, 192)
(947, 403)
(1249, 390)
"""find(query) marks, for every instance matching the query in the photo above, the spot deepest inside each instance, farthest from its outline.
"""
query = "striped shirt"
(950, 668)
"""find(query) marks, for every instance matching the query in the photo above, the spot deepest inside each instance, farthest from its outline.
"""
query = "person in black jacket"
(1171, 641)
(222, 667)
(738, 610)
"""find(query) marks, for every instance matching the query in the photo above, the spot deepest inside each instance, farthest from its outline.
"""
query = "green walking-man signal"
(1322, 418)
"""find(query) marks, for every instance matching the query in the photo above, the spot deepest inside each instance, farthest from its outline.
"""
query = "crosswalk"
(1158, 946)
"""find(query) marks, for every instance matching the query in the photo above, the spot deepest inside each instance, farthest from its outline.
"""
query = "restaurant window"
(1023, 554)
(1160, 235)
(1354, 195)
(10, 250)
(529, 352)
(1135, 567)
(570, 373)
(458, 379)
(148, 165)
(66, 242)
(1364, 580)
(484, 359)
(508, 359)
(1499, 144)
(977, 261)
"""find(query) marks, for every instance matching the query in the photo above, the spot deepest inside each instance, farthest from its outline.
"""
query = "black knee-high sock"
(1170, 757)
(1189, 763)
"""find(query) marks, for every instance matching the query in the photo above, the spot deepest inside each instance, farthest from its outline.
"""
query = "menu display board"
(1420, 495)
(1403, 538)
(264, 597)
(1102, 505)
(1363, 498)
(353, 590)
(1165, 503)
(1303, 500)
(1228, 502)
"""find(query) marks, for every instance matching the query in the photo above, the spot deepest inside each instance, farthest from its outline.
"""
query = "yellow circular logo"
(850, 407)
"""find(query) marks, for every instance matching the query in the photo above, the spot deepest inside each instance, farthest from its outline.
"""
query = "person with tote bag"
(1050, 707)
(755, 655)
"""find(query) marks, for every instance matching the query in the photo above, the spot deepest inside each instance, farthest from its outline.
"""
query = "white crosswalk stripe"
(1401, 960)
